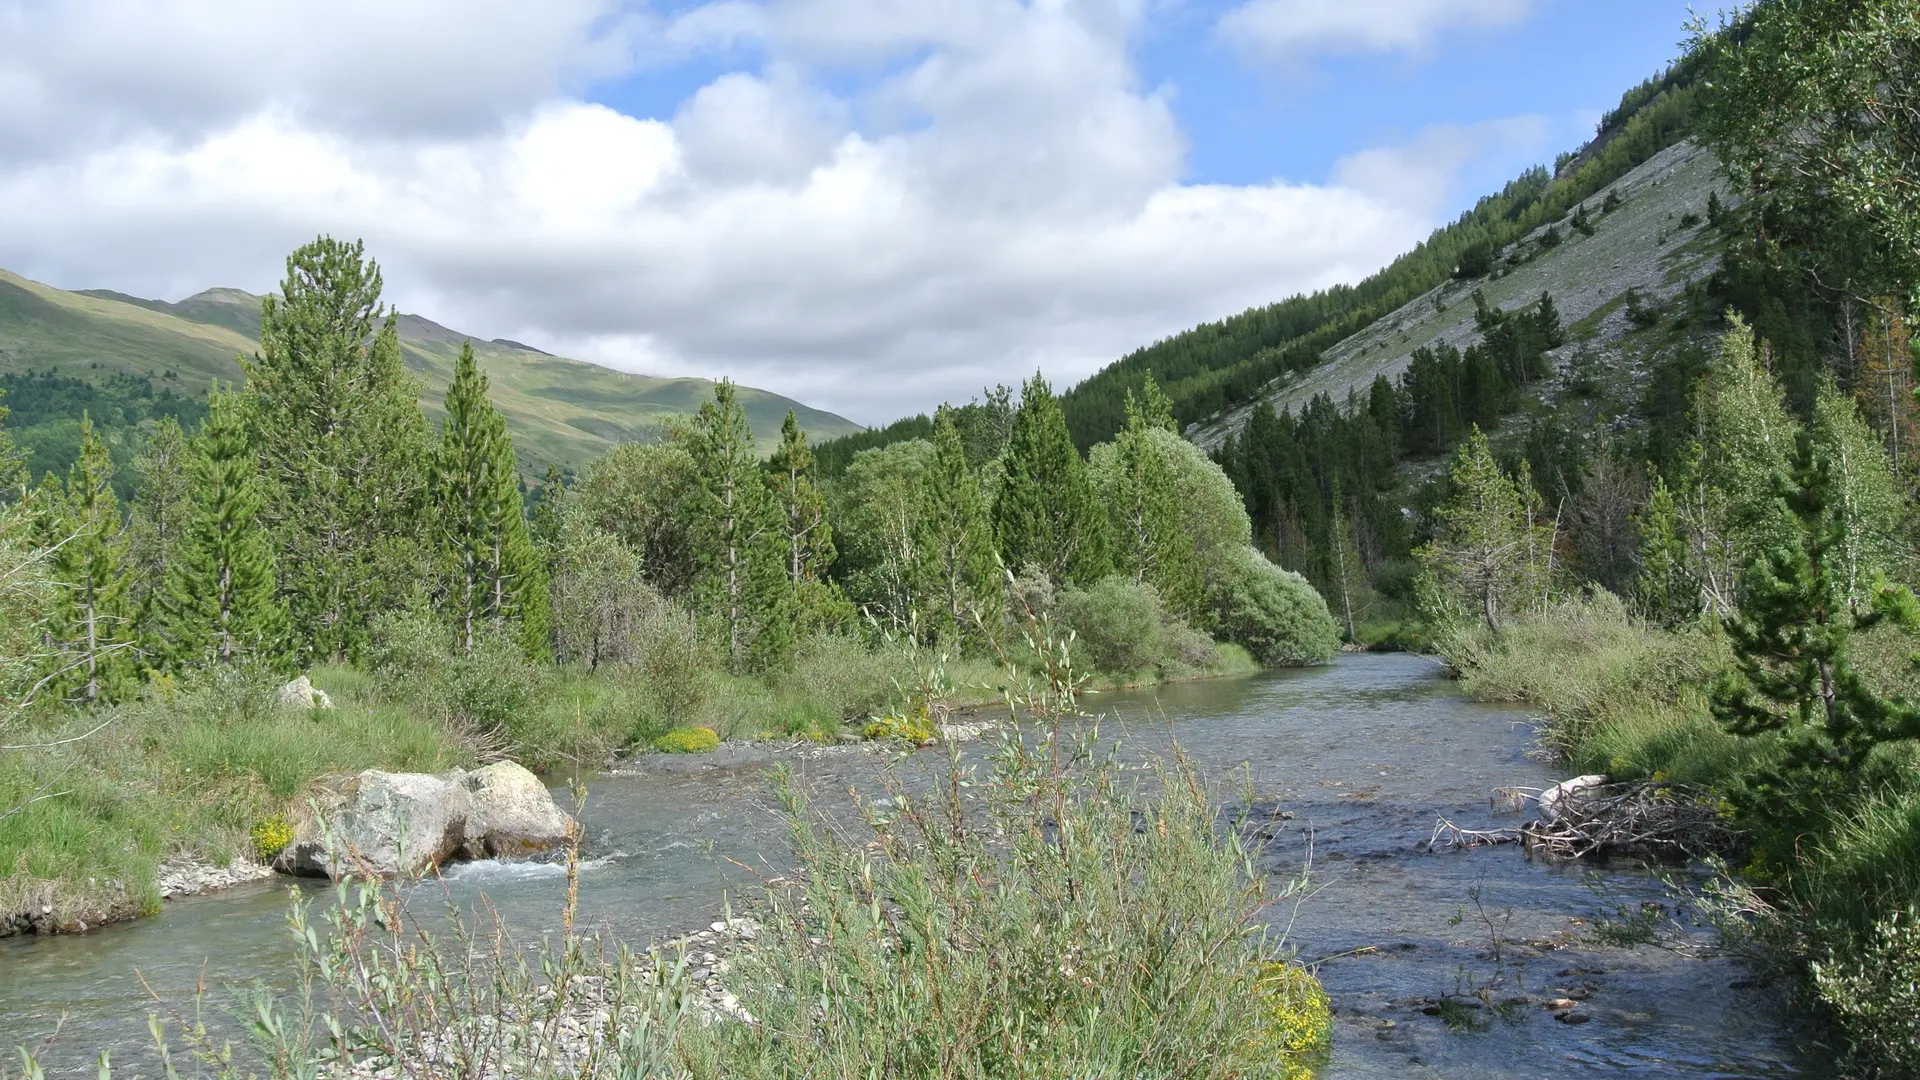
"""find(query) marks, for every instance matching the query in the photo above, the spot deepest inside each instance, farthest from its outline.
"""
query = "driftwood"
(1587, 817)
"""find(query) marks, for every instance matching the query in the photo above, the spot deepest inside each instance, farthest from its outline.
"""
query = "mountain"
(560, 411)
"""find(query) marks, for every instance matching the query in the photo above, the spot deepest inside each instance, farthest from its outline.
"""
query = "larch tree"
(221, 602)
(955, 539)
(92, 626)
(1136, 482)
(740, 583)
(345, 455)
(1048, 514)
(1864, 500)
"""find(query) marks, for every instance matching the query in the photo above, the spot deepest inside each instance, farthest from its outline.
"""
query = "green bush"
(1116, 625)
(1873, 987)
(687, 740)
(1273, 613)
(841, 675)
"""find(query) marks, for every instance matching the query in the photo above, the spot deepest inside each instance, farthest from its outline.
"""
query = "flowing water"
(1363, 753)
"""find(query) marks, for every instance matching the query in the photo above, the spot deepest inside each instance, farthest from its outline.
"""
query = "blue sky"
(871, 205)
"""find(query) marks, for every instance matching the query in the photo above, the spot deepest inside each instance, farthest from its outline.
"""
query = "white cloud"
(1295, 29)
(1003, 195)
(1420, 174)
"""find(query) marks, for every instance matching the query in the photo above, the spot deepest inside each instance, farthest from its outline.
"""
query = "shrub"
(1873, 987)
(677, 666)
(841, 675)
(1273, 613)
(688, 740)
(1116, 625)
(913, 726)
(1038, 919)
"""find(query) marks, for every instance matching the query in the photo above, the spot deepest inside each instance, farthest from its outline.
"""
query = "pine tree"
(1667, 591)
(344, 451)
(92, 625)
(544, 523)
(1792, 672)
(741, 578)
(1047, 514)
(162, 509)
(1143, 507)
(805, 532)
(493, 575)
(14, 478)
(1491, 555)
(955, 539)
(220, 601)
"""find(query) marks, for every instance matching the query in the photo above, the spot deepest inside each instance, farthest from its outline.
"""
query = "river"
(1363, 753)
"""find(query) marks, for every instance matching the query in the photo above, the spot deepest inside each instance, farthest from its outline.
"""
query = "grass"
(1824, 899)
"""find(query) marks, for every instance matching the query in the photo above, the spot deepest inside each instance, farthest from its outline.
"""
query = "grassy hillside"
(560, 411)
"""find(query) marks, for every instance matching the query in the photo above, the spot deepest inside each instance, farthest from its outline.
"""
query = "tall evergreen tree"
(1491, 556)
(1864, 500)
(1047, 514)
(1143, 507)
(220, 601)
(804, 529)
(92, 625)
(162, 509)
(14, 477)
(736, 531)
(344, 451)
(1665, 586)
(1793, 673)
(493, 576)
(955, 540)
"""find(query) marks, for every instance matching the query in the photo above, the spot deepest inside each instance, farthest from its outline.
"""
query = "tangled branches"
(1650, 818)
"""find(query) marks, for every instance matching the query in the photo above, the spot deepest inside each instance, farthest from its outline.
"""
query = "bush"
(1116, 625)
(270, 836)
(1273, 613)
(687, 740)
(914, 726)
(1039, 920)
(1873, 987)
(841, 675)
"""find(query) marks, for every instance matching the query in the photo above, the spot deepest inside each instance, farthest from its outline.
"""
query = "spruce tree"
(805, 533)
(220, 602)
(492, 575)
(955, 541)
(14, 477)
(92, 626)
(740, 581)
(1792, 671)
(1047, 514)
(344, 451)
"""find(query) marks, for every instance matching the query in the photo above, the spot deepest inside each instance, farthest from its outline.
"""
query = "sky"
(868, 205)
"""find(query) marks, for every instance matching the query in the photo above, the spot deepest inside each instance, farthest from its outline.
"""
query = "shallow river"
(1363, 753)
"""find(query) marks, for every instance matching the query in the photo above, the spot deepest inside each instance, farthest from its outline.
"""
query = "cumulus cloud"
(1420, 174)
(1002, 194)
(1294, 29)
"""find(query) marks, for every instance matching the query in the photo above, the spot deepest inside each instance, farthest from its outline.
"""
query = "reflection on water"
(1363, 753)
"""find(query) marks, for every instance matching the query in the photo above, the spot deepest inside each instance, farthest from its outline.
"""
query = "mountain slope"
(1651, 243)
(560, 411)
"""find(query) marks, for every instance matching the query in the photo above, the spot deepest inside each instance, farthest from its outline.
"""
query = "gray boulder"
(510, 813)
(302, 694)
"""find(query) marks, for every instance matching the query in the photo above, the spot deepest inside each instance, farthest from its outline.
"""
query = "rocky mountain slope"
(1654, 241)
(560, 411)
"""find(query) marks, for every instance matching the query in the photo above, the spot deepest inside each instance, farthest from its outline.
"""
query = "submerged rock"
(382, 824)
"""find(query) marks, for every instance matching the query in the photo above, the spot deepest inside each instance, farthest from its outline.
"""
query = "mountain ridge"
(560, 411)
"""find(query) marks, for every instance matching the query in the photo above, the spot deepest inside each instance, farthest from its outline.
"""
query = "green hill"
(560, 411)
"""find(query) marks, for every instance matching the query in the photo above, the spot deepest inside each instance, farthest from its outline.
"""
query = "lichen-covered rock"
(302, 694)
(379, 824)
(510, 813)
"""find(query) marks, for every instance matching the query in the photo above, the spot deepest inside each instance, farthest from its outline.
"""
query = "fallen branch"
(1647, 818)
(1447, 834)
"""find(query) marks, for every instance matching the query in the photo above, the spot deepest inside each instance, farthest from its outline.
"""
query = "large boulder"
(510, 813)
(382, 824)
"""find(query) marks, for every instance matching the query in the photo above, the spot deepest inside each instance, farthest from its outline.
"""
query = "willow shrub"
(1036, 915)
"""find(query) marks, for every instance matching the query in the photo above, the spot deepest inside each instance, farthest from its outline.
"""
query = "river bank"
(1363, 754)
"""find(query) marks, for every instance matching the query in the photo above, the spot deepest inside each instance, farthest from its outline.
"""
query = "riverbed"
(1363, 754)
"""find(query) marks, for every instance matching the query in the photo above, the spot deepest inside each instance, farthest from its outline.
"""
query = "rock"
(302, 694)
(403, 824)
(381, 824)
(1553, 800)
(510, 813)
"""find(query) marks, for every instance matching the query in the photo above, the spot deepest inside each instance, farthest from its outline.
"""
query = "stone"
(510, 813)
(302, 694)
(379, 824)
(1554, 800)
(386, 824)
